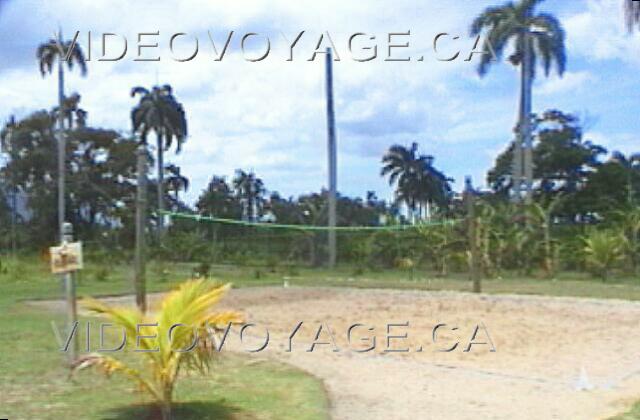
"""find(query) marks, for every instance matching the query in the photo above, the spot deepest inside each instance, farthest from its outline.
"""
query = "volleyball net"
(194, 237)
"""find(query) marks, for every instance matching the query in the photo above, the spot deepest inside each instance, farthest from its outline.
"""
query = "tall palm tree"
(52, 51)
(71, 112)
(218, 200)
(535, 36)
(250, 190)
(434, 187)
(399, 164)
(160, 112)
(418, 183)
(631, 165)
(176, 182)
(632, 13)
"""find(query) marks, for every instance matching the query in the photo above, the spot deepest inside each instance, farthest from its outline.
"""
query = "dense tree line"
(557, 177)
(101, 180)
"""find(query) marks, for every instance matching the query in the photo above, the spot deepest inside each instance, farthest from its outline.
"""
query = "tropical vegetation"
(180, 336)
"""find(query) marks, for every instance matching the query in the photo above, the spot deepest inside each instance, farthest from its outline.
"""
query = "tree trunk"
(167, 395)
(526, 118)
(312, 249)
(634, 251)
(14, 202)
(629, 187)
(472, 237)
(61, 144)
(165, 410)
(160, 185)
(141, 219)
(548, 251)
(517, 145)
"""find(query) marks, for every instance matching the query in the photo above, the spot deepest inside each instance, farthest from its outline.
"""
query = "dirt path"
(555, 357)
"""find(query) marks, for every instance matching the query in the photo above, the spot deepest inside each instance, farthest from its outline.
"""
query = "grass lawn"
(566, 284)
(633, 414)
(34, 384)
(28, 278)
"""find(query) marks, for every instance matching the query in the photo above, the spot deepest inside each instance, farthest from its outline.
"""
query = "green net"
(218, 240)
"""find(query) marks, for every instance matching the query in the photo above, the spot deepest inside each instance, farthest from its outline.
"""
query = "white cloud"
(569, 82)
(599, 33)
(620, 142)
(269, 116)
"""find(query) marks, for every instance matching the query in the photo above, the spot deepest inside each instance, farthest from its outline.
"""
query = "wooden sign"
(66, 258)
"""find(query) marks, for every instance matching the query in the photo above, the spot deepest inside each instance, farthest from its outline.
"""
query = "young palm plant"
(484, 229)
(540, 218)
(603, 250)
(175, 338)
(629, 223)
(442, 242)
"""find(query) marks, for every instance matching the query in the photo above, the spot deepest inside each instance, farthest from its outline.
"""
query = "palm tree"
(250, 190)
(535, 37)
(603, 250)
(433, 185)
(218, 200)
(71, 112)
(631, 165)
(632, 13)
(176, 182)
(540, 231)
(48, 53)
(399, 163)
(418, 183)
(160, 112)
(628, 221)
(184, 335)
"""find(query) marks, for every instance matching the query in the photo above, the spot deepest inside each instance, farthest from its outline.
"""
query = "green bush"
(603, 251)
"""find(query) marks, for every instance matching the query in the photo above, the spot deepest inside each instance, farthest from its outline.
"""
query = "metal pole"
(469, 199)
(518, 152)
(139, 281)
(332, 156)
(70, 295)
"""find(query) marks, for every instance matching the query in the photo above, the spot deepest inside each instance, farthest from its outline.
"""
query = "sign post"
(65, 259)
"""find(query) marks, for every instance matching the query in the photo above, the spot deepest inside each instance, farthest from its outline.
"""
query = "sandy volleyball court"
(555, 357)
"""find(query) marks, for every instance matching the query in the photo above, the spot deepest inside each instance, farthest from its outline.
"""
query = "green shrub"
(603, 251)
(101, 274)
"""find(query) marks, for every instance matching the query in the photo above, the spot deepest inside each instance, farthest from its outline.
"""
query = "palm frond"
(178, 329)
(631, 14)
(550, 37)
(109, 365)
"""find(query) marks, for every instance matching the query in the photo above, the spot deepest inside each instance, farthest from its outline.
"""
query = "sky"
(269, 116)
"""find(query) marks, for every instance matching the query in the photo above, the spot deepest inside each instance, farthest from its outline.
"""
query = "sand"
(542, 357)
